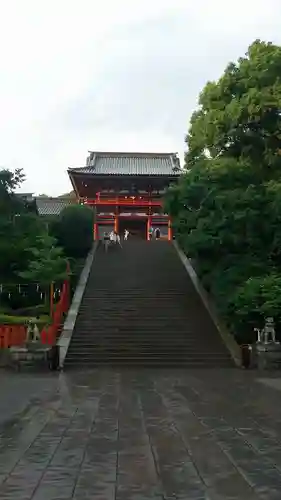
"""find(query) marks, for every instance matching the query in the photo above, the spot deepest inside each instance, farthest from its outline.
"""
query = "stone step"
(142, 338)
(114, 346)
(149, 327)
(131, 300)
(152, 362)
(120, 354)
(118, 342)
(100, 330)
(145, 350)
(146, 355)
(150, 313)
(146, 345)
(157, 312)
(132, 325)
(153, 313)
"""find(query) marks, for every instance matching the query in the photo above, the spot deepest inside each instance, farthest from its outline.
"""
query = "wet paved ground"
(140, 436)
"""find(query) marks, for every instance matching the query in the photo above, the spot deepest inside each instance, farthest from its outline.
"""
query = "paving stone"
(95, 483)
(56, 485)
(216, 470)
(137, 477)
(177, 472)
(110, 435)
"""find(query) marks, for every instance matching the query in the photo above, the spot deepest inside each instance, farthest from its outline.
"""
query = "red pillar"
(116, 218)
(148, 227)
(116, 223)
(52, 300)
(96, 237)
(170, 235)
(67, 286)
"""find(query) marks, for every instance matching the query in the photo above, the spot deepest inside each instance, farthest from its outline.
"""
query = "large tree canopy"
(226, 208)
(240, 114)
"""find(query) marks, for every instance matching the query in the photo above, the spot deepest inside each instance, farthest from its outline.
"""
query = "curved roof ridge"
(122, 163)
(131, 153)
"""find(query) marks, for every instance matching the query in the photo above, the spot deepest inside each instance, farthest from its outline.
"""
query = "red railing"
(15, 335)
(11, 335)
(126, 201)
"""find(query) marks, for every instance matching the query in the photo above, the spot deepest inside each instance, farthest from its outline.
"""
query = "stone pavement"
(143, 435)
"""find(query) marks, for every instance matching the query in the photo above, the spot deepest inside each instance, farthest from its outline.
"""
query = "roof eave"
(113, 174)
(132, 153)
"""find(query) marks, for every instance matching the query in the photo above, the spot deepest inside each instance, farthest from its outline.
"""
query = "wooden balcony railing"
(124, 201)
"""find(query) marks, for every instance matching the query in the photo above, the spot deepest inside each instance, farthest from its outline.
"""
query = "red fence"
(15, 335)
(49, 334)
(12, 335)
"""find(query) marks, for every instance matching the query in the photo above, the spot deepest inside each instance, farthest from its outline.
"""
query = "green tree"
(226, 209)
(9, 203)
(19, 226)
(239, 115)
(74, 230)
(16, 237)
(48, 264)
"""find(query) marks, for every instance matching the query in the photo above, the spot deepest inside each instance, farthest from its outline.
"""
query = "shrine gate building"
(126, 191)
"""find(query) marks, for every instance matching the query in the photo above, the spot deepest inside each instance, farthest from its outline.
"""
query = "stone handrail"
(67, 331)
(226, 336)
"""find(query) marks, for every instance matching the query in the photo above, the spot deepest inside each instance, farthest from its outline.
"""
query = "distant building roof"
(25, 196)
(70, 195)
(51, 206)
(99, 163)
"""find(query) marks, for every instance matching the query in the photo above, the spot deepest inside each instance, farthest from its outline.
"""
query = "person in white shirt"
(126, 234)
(117, 239)
(112, 237)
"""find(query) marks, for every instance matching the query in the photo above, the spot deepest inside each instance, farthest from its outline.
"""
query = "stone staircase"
(140, 309)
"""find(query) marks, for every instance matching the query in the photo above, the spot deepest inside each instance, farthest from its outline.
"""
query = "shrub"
(74, 230)
(258, 298)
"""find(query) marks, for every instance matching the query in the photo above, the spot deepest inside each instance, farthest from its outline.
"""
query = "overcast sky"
(111, 75)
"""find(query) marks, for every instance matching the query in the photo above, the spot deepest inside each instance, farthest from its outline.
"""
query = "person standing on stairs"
(106, 241)
(112, 237)
(117, 239)
(157, 233)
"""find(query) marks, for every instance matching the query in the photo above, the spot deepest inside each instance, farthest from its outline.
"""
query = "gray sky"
(112, 75)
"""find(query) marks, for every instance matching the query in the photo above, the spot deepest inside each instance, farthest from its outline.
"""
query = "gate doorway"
(136, 227)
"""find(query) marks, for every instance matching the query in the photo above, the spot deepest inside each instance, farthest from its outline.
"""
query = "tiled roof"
(130, 164)
(51, 206)
(70, 195)
(25, 196)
